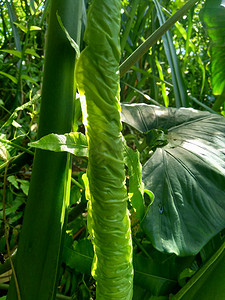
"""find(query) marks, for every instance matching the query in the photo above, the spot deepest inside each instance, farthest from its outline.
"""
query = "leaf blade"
(187, 177)
(177, 78)
(73, 142)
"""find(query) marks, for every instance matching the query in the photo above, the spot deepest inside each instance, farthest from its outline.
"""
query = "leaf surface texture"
(187, 176)
(97, 75)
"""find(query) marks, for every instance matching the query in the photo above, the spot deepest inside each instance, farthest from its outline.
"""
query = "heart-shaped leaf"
(187, 176)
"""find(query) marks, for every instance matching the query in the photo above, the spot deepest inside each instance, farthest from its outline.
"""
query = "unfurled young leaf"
(73, 142)
(97, 74)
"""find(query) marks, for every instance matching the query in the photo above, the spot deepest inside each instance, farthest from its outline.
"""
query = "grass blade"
(128, 25)
(12, 18)
(152, 39)
(178, 82)
(163, 86)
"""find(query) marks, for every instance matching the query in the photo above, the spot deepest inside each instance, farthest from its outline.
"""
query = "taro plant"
(170, 244)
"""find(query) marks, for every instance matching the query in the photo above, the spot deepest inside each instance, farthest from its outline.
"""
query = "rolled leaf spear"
(97, 74)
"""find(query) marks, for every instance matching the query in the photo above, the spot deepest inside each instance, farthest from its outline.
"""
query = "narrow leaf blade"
(178, 82)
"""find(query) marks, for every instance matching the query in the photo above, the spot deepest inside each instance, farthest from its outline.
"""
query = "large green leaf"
(187, 176)
(213, 16)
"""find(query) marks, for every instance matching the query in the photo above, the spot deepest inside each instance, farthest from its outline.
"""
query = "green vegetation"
(112, 149)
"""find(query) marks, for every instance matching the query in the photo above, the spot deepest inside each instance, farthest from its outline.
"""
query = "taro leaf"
(212, 246)
(187, 176)
(73, 142)
(213, 17)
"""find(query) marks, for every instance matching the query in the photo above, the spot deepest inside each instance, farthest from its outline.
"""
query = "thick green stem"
(40, 242)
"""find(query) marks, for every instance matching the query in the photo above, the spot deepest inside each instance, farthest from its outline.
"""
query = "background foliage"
(182, 59)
